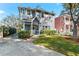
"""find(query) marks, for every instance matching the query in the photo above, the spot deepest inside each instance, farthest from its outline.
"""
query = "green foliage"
(8, 31)
(59, 44)
(48, 32)
(24, 34)
(71, 6)
(5, 31)
(68, 34)
(12, 30)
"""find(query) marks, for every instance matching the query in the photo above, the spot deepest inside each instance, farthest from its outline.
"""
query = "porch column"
(31, 28)
(39, 28)
(23, 25)
(69, 25)
(25, 12)
(64, 25)
(31, 13)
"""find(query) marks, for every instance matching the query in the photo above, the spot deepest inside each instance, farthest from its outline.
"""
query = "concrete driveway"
(17, 47)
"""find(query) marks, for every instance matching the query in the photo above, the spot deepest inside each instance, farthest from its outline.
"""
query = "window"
(49, 17)
(46, 26)
(67, 19)
(67, 26)
(28, 12)
(71, 29)
(33, 13)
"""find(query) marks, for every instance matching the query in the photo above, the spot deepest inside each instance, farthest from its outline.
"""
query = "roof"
(27, 20)
(36, 9)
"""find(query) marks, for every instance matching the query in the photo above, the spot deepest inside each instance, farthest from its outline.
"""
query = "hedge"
(8, 31)
(48, 32)
(23, 34)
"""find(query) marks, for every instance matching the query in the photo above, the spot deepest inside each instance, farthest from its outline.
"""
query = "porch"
(32, 25)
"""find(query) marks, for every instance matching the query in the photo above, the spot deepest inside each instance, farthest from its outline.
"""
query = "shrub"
(12, 30)
(5, 31)
(48, 32)
(59, 44)
(68, 34)
(24, 34)
(8, 31)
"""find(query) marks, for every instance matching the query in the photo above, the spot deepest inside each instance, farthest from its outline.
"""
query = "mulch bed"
(71, 38)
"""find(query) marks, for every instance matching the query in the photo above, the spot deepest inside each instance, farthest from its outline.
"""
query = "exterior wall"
(49, 21)
(59, 24)
(52, 23)
(67, 22)
(46, 23)
(1, 35)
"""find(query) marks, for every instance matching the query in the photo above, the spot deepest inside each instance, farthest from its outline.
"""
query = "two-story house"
(35, 19)
(64, 24)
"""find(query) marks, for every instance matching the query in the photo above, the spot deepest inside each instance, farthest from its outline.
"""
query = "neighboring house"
(35, 19)
(64, 25)
(59, 24)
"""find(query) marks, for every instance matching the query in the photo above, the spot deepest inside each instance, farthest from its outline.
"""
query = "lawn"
(58, 43)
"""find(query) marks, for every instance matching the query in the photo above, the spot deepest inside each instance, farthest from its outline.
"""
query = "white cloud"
(2, 11)
(2, 14)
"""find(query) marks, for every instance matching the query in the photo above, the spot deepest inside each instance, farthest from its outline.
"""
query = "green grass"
(58, 43)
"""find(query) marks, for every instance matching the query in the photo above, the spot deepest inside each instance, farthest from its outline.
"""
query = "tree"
(12, 21)
(62, 12)
(73, 10)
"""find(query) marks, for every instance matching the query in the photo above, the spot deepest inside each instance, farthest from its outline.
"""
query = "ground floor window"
(27, 27)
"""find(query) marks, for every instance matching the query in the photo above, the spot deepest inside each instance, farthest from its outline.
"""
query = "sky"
(12, 8)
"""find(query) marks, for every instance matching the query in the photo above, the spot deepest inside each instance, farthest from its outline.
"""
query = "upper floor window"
(49, 17)
(33, 13)
(67, 26)
(37, 14)
(67, 19)
(28, 12)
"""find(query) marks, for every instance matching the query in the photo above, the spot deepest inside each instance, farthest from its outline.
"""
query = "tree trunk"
(75, 31)
(74, 23)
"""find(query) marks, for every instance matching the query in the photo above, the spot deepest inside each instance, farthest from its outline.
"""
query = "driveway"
(17, 47)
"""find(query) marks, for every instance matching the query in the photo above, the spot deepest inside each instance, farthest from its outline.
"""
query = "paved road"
(13, 47)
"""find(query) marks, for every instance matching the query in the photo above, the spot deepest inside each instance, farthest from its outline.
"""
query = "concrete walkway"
(17, 47)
